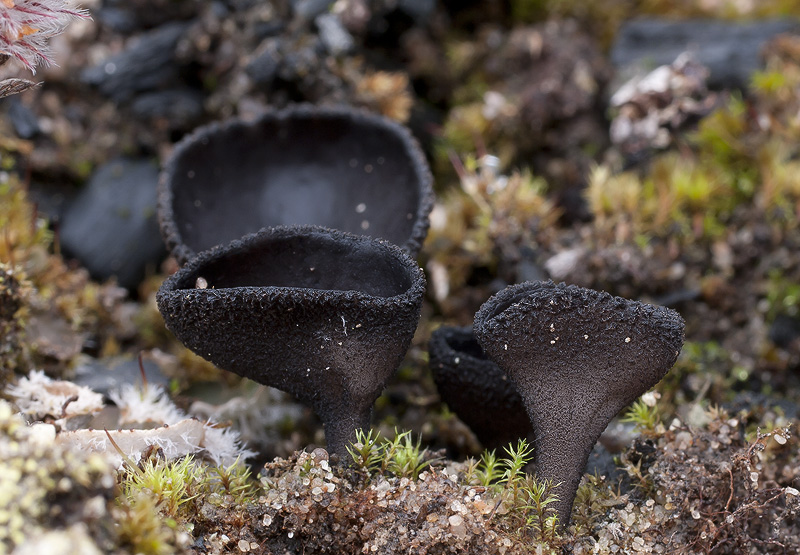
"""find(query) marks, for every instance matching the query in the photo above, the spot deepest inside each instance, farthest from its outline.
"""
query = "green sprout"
(526, 500)
(644, 417)
(170, 483)
(234, 480)
(400, 456)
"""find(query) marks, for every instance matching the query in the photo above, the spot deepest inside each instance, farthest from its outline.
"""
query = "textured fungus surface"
(324, 315)
(476, 389)
(578, 357)
(340, 168)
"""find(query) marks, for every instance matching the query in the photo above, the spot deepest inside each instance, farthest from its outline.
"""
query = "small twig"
(730, 497)
(66, 403)
(122, 454)
(141, 371)
(497, 506)
(458, 166)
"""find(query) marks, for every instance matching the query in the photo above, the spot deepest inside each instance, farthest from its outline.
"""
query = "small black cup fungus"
(577, 357)
(324, 315)
(476, 389)
(340, 168)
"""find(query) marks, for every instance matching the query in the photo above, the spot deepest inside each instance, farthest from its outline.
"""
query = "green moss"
(645, 417)
(482, 223)
(782, 295)
(522, 501)
(400, 456)
(171, 484)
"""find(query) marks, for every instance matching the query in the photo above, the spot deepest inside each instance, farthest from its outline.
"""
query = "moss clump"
(740, 165)
(57, 308)
(47, 489)
(604, 17)
(529, 95)
(13, 294)
(482, 229)
(523, 503)
(703, 491)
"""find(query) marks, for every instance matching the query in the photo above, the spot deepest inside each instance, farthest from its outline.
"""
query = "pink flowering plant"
(25, 27)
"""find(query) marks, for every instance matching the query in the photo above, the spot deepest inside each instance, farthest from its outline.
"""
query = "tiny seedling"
(400, 456)
(644, 417)
(169, 482)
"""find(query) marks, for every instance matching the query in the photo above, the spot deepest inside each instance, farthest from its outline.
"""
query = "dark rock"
(148, 14)
(601, 463)
(111, 225)
(181, 107)
(731, 51)
(117, 19)
(263, 68)
(577, 357)
(340, 168)
(25, 123)
(334, 36)
(51, 199)
(784, 331)
(758, 403)
(266, 29)
(146, 64)
(476, 389)
(310, 9)
(419, 10)
(100, 378)
(324, 315)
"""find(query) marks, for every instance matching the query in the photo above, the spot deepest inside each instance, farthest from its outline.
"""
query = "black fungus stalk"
(577, 357)
(324, 315)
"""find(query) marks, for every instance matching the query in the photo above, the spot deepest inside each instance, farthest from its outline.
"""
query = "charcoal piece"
(110, 226)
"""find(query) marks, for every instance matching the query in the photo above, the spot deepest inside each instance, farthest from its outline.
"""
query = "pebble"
(120, 200)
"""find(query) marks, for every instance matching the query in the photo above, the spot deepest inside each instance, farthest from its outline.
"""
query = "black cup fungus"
(324, 315)
(340, 168)
(476, 389)
(577, 357)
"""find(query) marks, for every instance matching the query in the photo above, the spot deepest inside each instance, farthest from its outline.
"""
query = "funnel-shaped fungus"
(577, 357)
(340, 168)
(476, 389)
(324, 315)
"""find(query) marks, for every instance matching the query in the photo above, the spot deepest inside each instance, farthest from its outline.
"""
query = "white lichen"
(38, 396)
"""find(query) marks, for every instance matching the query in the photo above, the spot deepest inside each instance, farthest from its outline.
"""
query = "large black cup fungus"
(577, 357)
(340, 168)
(324, 315)
(476, 389)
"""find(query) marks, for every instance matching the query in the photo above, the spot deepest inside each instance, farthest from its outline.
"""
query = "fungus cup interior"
(522, 291)
(463, 342)
(311, 260)
(336, 168)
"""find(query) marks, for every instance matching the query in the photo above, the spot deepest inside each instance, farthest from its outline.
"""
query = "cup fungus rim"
(620, 309)
(416, 275)
(441, 337)
(171, 235)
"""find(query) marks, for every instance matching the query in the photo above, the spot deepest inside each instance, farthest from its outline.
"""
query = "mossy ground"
(708, 226)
